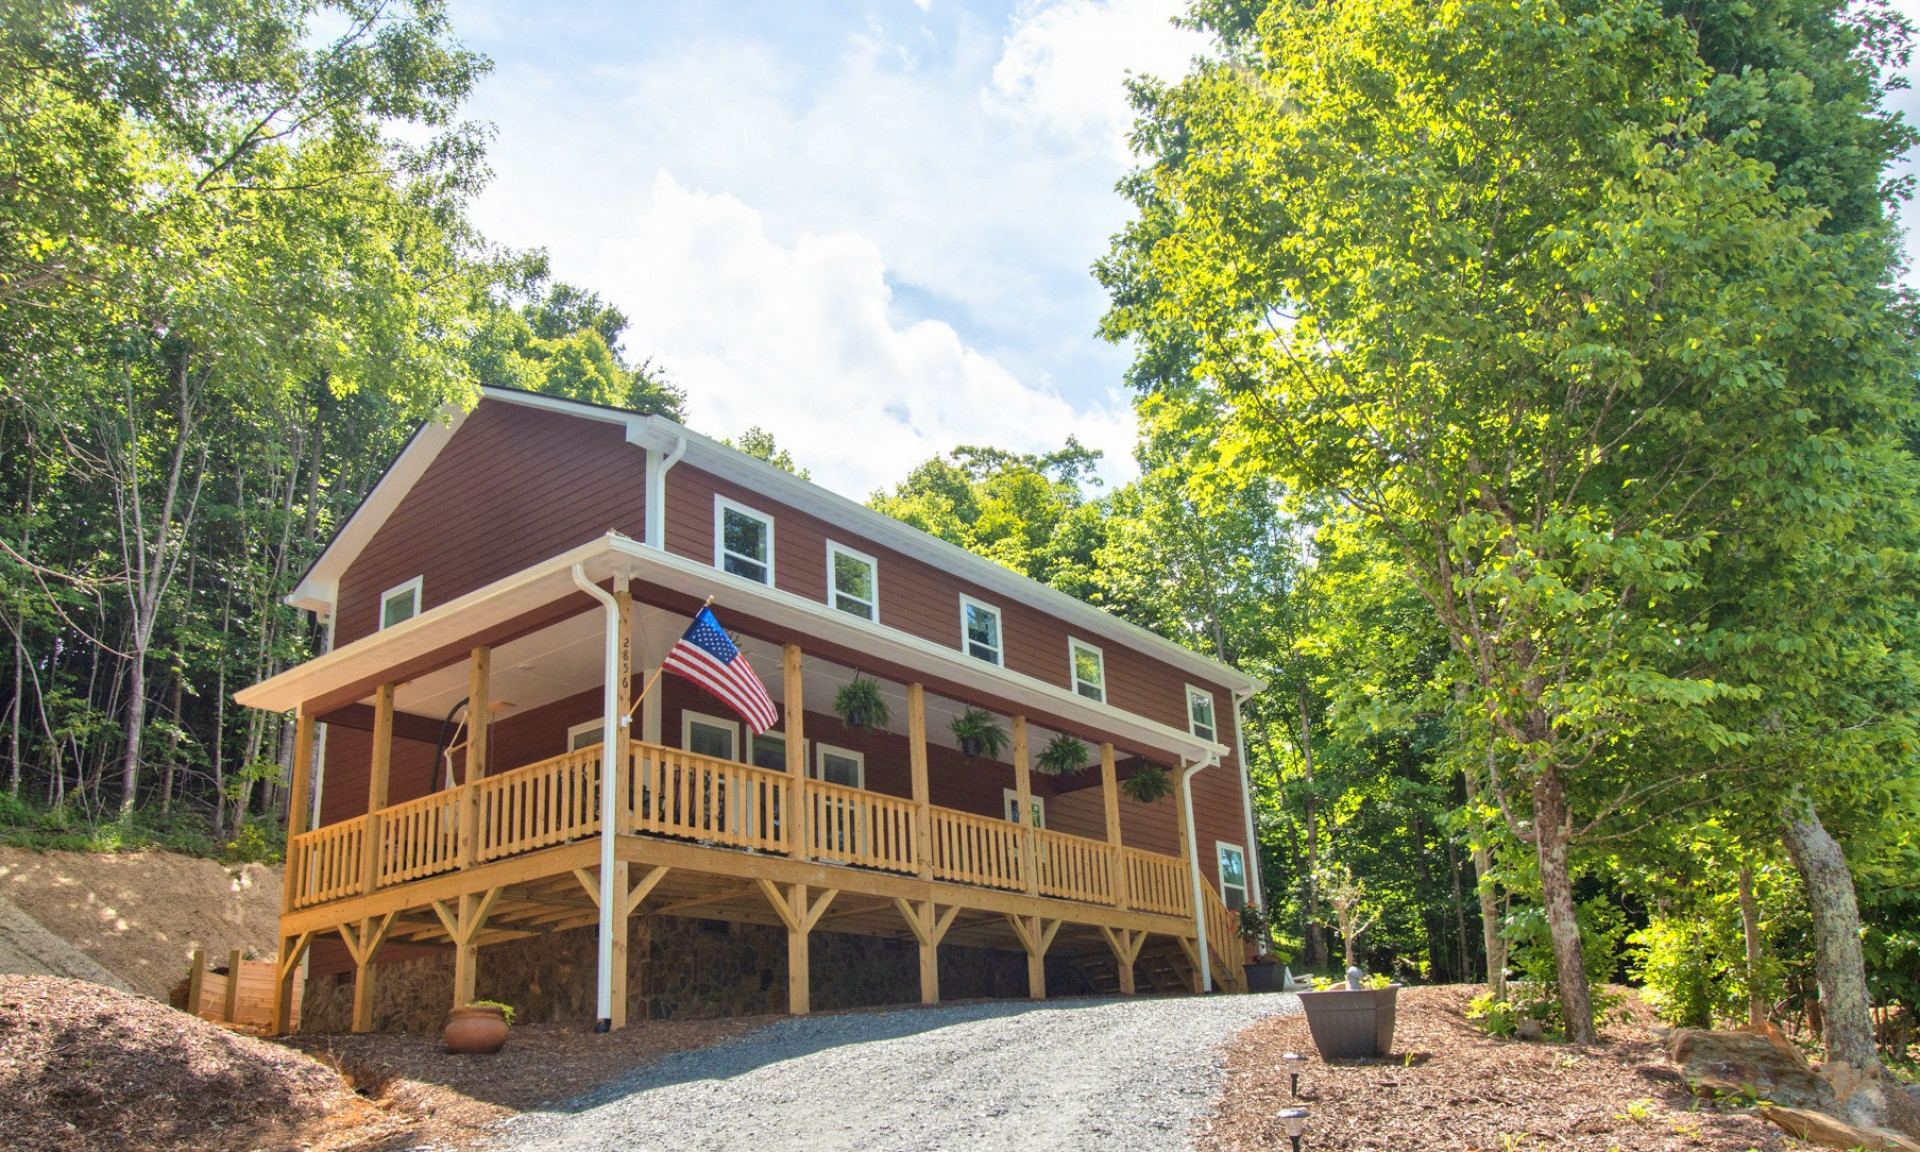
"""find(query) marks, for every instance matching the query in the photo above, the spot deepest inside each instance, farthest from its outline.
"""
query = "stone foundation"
(677, 968)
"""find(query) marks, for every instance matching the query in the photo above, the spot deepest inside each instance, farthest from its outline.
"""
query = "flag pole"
(642, 697)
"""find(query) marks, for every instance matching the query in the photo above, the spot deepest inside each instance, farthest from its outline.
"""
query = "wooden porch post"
(1110, 797)
(479, 729)
(1023, 794)
(377, 785)
(922, 814)
(794, 705)
(297, 794)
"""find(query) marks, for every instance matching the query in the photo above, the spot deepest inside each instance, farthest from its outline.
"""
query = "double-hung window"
(1089, 668)
(853, 582)
(980, 630)
(711, 736)
(1233, 874)
(742, 541)
(1200, 713)
(400, 603)
(841, 766)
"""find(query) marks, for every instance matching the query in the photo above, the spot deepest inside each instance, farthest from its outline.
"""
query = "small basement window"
(980, 630)
(1089, 667)
(1200, 713)
(855, 582)
(400, 604)
(1233, 874)
(742, 541)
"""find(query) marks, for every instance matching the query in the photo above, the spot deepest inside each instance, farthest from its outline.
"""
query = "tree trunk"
(1315, 943)
(1490, 937)
(1750, 929)
(136, 728)
(1462, 965)
(1847, 1025)
(1552, 826)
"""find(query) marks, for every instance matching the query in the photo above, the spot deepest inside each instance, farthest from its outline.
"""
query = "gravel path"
(1066, 1074)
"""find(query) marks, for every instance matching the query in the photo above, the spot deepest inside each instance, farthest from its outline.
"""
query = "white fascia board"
(615, 554)
(730, 464)
(319, 588)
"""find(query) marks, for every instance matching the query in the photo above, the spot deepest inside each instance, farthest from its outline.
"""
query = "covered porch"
(477, 854)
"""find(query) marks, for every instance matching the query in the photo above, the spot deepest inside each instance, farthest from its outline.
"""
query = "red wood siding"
(515, 486)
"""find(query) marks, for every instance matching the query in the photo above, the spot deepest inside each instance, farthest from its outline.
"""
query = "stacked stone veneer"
(676, 968)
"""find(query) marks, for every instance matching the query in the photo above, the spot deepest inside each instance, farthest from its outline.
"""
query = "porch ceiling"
(547, 639)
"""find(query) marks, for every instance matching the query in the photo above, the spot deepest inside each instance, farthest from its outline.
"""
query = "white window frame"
(835, 550)
(1010, 803)
(687, 718)
(584, 726)
(413, 586)
(721, 506)
(1213, 709)
(1074, 646)
(820, 753)
(753, 745)
(1000, 625)
(1245, 887)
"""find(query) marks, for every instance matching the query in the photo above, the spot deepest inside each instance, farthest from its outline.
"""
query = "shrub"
(1494, 1017)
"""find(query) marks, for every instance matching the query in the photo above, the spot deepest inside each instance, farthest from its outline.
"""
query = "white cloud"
(799, 338)
(1064, 65)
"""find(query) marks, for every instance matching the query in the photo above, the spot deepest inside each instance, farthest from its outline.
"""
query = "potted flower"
(1148, 783)
(980, 735)
(1062, 756)
(861, 705)
(479, 1029)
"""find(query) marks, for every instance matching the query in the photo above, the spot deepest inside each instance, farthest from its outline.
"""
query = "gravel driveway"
(1064, 1074)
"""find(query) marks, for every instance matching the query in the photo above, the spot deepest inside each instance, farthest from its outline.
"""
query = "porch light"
(1294, 1062)
(1294, 1121)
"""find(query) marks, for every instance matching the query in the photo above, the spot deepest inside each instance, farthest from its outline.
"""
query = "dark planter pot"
(972, 746)
(856, 717)
(475, 1030)
(1348, 1025)
(1264, 978)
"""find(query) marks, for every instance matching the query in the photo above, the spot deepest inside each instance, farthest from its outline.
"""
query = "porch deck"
(518, 853)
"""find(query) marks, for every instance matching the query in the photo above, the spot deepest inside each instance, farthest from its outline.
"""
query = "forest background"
(236, 271)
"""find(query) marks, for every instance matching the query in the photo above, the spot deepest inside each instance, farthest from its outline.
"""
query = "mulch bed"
(1450, 1086)
(83, 1066)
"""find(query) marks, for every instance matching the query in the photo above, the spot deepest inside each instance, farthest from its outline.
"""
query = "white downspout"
(1255, 887)
(657, 469)
(609, 763)
(1193, 866)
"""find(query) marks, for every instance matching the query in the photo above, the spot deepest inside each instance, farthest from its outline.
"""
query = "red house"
(498, 609)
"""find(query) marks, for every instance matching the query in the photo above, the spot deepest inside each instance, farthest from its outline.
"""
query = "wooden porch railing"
(1157, 883)
(1223, 936)
(683, 795)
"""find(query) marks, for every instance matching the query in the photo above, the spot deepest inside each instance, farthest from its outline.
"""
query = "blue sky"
(864, 226)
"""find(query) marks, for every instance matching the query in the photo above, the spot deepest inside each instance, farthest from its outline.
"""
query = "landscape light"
(1294, 1120)
(1293, 1062)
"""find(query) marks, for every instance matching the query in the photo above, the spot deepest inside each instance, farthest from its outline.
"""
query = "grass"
(27, 824)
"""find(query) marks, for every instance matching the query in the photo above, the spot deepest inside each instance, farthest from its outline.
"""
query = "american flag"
(705, 656)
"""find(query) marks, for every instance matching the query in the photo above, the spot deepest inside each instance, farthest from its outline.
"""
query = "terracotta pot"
(1348, 1025)
(476, 1030)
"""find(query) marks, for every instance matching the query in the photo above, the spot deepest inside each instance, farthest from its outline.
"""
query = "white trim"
(722, 506)
(687, 718)
(361, 663)
(836, 549)
(1074, 682)
(584, 726)
(1246, 873)
(1010, 802)
(822, 751)
(415, 586)
(999, 627)
(753, 742)
(1213, 709)
(318, 591)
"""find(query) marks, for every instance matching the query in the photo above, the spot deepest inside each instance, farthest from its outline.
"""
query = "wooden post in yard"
(377, 776)
(479, 733)
(231, 1009)
(922, 792)
(793, 704)
(1023, 795)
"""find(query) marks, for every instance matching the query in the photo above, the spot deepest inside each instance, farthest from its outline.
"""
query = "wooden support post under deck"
(479, 732)
(793, 704)
(799, 916)
(1126, 949)
(297, 793)
(377, 777)
(922, 810)
(929, 928)
(286, 966)
(1110, 796)
(463, 923)
(1023, 792)
(1036, 936)
(362, 943)
(622, 930)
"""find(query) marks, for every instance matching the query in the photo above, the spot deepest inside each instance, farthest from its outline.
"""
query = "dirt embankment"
(139, 915)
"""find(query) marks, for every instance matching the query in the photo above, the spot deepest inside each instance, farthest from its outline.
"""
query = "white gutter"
(657, 469)
(609, 760)
(1193, 866)
(1255, 889)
